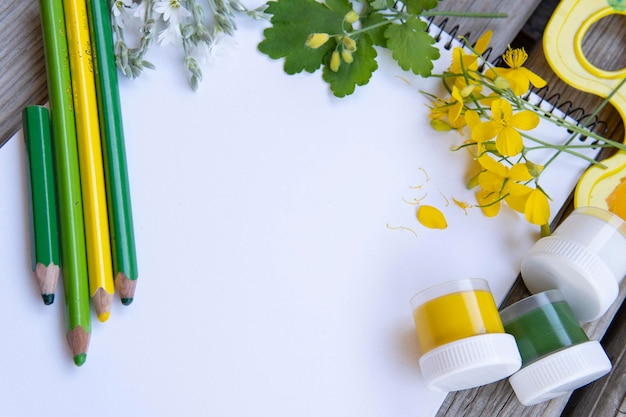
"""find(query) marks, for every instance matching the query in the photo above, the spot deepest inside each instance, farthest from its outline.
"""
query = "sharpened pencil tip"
(104, 316)
(47, 299)
(80, 359)
(127, 301)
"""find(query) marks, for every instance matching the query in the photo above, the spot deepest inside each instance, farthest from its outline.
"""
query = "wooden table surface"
(22, 82)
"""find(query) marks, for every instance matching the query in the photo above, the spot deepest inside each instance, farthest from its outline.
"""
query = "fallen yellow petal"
(431, 217)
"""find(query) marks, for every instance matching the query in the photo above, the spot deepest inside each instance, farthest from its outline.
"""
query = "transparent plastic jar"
(585, 258)
(461, 337)
(557, 356)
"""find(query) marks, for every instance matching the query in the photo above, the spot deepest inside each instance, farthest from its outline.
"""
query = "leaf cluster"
(396, 26)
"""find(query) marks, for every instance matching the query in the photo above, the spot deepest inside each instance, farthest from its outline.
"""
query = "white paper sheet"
(270, 283)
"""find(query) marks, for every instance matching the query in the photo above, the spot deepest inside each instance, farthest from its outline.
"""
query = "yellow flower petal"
(431, 217)
(525, 120)
(491, 182)
(488, 204)
(517, 202)
(537, 209)
(493, 166)
(472, 118)
(501, 110)
(520, 172)
(534, 79)
(483, 42)
(484, 131)
(509, 141)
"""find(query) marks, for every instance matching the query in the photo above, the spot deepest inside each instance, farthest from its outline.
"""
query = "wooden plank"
(22, 79)
(504, 29)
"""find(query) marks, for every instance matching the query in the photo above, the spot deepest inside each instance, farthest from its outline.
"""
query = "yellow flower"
(467, 63)
(503, 125)
(518, 77)
(450, 110)
(498, 182)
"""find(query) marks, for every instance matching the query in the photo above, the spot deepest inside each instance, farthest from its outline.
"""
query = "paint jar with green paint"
(557, 355)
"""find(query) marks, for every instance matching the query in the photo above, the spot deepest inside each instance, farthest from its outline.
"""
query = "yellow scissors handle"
(563, 38)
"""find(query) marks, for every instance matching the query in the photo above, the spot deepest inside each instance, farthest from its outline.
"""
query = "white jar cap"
(561, 372)
(587, 283)
(470, 362)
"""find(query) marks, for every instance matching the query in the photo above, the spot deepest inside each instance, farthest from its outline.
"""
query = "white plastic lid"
(587, 283)
(470, 362)
(560, 373)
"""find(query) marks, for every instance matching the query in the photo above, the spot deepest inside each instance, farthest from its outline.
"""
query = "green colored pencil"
(45, 229)
(73, 252)
(115, 166)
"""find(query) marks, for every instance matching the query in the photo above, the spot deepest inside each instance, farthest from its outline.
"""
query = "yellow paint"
(563, 40)
(617, 199)
(90, 160)
(456, 316)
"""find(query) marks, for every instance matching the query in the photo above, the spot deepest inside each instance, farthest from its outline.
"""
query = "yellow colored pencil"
(98, 243)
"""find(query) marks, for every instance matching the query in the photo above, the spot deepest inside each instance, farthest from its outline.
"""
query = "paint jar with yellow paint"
(461, 336)
(585, 258)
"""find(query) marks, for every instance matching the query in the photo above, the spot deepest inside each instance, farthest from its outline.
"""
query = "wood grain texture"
(22, 79)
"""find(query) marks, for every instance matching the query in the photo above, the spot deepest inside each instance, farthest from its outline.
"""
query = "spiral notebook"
(277, 251)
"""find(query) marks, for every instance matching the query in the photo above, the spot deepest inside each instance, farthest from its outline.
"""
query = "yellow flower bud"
(347, 56)
(467, 90)
(501, 83)
(335, 61)
(315, 40)
(351, 17)
(349, 43)
(534, 169)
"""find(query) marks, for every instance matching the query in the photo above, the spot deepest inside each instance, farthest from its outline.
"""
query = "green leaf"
(378, 33)
(381, 4)
(292, 22)
(411, 46)
(418, 6)
(344, 81)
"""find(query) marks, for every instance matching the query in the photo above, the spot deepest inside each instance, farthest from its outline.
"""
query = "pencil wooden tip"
(78, 340)
(102, 303)
(126, 288)
(47, 278)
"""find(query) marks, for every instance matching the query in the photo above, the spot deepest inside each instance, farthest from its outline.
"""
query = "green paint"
(544, 330)
(65, 150)
(112, 131)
